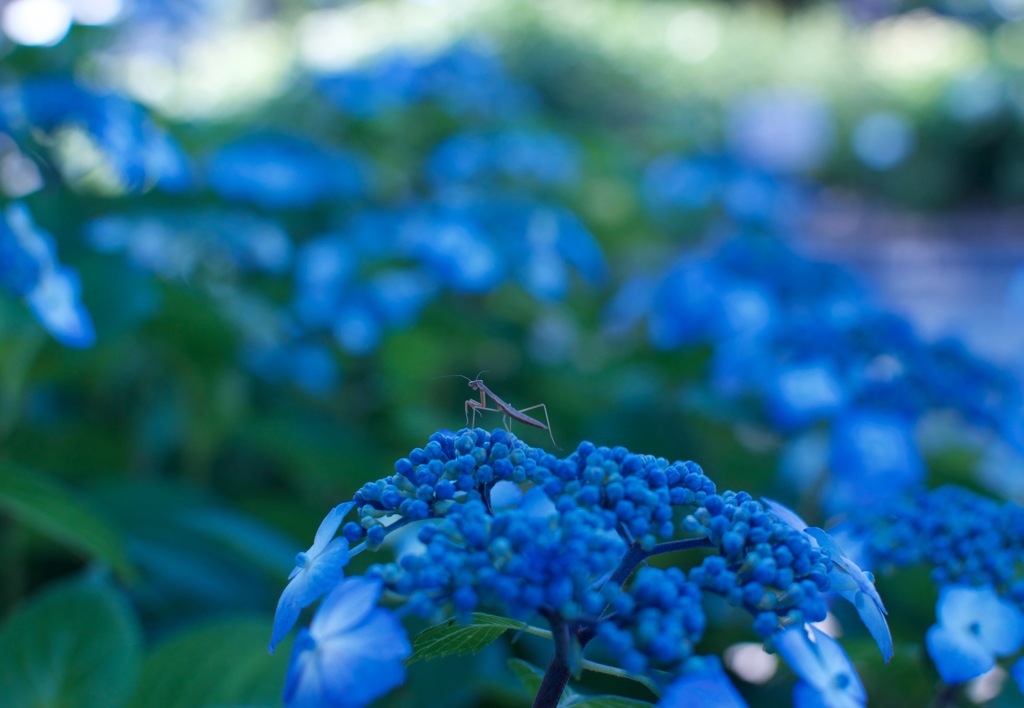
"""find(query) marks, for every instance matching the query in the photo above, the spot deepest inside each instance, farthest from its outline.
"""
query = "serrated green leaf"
(452, 637)
(76, 645)
(610, 702)
(45, 506)
(218, 664)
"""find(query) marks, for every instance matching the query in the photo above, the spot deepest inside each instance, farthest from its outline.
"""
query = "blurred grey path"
(958, 274)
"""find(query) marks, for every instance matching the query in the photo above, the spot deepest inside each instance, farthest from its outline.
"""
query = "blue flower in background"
(827, 678)
(139, 152)
(781, 130)
(873, 456)
(352, 652)
(382, 271)
(523, 155)
(975, 626)
(282, 171)
(179, 244)
(466, 80)
(29, 269)
(703, 183)
(804, 393)
(316, 571)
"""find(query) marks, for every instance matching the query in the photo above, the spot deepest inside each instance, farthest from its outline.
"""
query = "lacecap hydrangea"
(509, 530)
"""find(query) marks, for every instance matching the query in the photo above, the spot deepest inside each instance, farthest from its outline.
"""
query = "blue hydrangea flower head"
(282, 171)
(316, 571)
(846, 578)
(827, 678)
(137, 151)
(521, 155)
(352, 652)
(975, 626)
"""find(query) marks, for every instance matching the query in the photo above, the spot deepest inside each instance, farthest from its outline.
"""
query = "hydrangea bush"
(215, 316)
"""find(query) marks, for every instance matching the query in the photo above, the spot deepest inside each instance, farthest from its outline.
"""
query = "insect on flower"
(508, 412)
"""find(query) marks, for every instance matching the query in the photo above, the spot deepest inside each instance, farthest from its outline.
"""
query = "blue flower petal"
(958, 656)
(707, 689)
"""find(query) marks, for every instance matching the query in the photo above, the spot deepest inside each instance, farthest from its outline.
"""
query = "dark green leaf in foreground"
(608, 702)
(219, 664)
(453, 637)
(45, 506)
(75, 645)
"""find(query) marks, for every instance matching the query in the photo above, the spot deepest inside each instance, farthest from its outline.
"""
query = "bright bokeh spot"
(751, 662)
(693, 35)
(36, 23)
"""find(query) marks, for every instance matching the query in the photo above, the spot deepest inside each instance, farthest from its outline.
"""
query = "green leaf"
(75, 645)
(530, 675)
(452, 637)
(610, 702)
(216, 664)
(45, 506)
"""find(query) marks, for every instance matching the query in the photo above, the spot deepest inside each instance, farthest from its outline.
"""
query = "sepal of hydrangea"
(846, 578)
(316, 571)
(827, 678)
(52, 291)
(56, 303)
(975, 626)
(708, 687)
(352, 653)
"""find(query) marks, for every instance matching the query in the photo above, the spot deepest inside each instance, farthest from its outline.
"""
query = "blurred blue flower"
(316, 571)
(523, 155)
(801, 394)
(882, 140)
(352, 652)
(975, 626)
(456, 251)
(467, 79)
(703, 183)
(29, 269)
(138, 151)
(846, 578)
(684, 182)
(874, 456)
(707, 688)
(180, 244)
(282, 171)
(312, 367)
(827, 678)
(781, 130)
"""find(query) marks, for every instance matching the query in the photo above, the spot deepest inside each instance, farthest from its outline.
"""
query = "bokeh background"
(248, 247)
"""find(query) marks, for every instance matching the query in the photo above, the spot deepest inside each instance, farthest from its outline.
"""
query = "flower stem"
(557, 675)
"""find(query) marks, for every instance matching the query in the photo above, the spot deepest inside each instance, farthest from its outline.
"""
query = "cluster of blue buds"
(973, 547)
(504, 527)
(963, 537)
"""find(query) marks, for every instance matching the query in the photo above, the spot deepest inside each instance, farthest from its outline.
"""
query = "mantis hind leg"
(546, 420)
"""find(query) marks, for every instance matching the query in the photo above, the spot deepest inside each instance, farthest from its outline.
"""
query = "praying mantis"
(500, 406)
